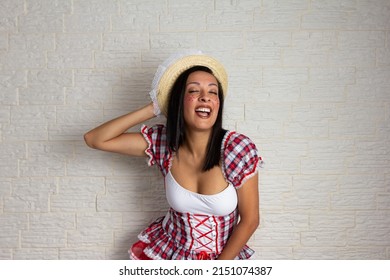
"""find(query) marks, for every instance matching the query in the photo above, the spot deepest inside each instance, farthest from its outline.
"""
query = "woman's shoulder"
(154, 134)
(240, 158)
(234, 141)
(157, 148)
(156, 128)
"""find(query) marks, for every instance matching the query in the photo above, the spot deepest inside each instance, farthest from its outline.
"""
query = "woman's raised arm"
(112, 136)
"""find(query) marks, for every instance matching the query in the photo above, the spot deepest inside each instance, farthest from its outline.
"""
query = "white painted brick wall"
(309, 83)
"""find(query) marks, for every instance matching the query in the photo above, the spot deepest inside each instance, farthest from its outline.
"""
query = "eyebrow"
(197, 83)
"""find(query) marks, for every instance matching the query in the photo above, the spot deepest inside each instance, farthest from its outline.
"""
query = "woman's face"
(201, 101)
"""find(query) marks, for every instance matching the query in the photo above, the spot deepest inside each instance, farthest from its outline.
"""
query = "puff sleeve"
(157, 151)
(240, 158)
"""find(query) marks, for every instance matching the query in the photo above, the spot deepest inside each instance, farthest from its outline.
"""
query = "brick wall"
(309, 83)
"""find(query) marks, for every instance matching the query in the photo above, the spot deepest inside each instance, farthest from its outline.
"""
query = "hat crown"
(174, 66)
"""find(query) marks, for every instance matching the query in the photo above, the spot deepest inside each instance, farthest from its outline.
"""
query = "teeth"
(204, 110)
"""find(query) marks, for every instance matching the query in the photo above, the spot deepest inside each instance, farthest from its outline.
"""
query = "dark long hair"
(176, 125)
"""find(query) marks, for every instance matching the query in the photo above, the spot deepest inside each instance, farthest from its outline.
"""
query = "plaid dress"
(174, 236)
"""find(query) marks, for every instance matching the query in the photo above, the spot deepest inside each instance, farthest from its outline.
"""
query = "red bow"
(203, 255)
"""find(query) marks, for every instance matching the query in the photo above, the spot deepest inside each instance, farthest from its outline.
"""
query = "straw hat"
(173, 67)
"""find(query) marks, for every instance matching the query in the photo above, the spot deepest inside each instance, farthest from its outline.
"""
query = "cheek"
(189, 99)
(216, 101)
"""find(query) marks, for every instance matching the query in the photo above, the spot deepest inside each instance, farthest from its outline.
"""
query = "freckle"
(189, 98)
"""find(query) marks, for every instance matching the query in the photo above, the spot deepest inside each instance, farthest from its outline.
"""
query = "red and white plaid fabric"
(188, 235)
(239, 154)
(172, 238)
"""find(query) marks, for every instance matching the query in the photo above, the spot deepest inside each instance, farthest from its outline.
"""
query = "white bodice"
(185, 201)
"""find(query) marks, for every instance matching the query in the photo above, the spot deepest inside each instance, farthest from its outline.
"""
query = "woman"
(210, 174)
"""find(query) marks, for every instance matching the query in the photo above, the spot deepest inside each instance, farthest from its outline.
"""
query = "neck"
(196, 143)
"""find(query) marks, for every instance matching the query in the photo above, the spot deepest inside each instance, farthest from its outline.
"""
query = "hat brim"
(177, 68)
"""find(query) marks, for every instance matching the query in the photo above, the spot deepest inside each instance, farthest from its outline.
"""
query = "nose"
(204, 96)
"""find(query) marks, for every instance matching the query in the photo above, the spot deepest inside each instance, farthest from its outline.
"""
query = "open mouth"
(203, 112)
